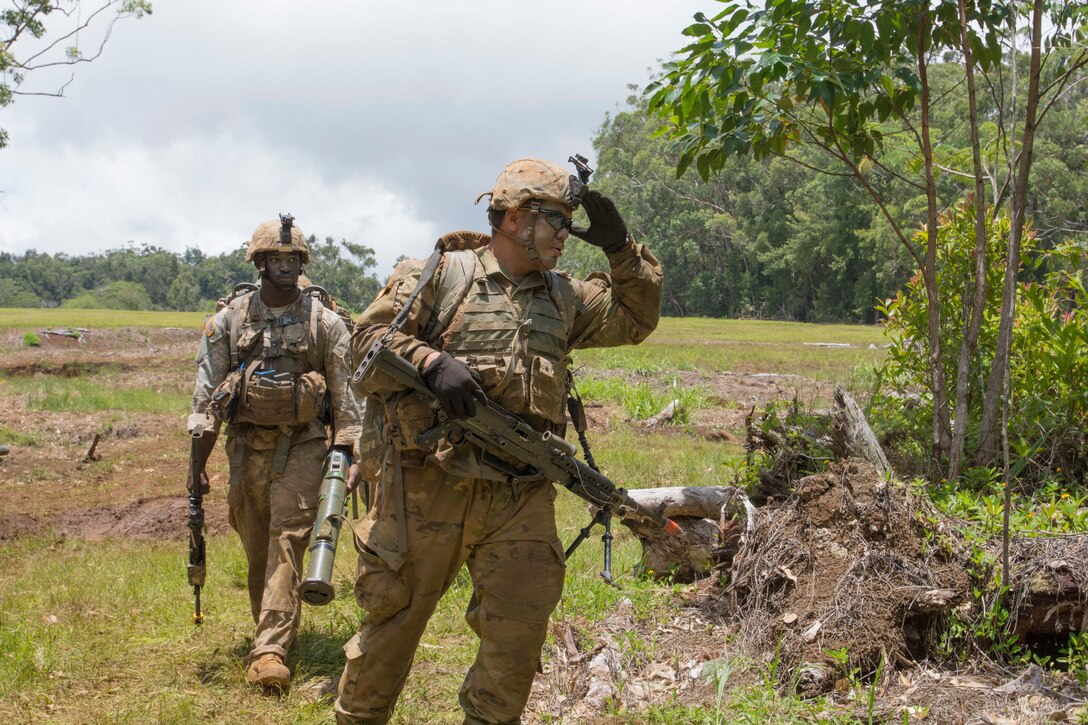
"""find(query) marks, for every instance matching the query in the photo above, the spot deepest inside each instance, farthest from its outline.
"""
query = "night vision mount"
(579, 184)
(286, 222)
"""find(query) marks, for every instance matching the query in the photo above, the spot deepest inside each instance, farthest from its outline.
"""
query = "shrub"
(1048, 405)
(31, 340)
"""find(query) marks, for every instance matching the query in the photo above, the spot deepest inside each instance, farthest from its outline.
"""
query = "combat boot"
(269, 672)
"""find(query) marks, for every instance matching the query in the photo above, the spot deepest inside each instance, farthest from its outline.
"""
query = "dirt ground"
(133, 487)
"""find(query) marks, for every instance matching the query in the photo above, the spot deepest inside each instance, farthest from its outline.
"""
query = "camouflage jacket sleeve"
(212, 362)
(375, 321)
(347, 414)
(621, 308)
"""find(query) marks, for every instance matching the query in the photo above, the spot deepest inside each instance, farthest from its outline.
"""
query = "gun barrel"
(197, 567)
(317, 587)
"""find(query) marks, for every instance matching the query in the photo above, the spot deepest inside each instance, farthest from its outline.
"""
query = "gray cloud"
(375, 122)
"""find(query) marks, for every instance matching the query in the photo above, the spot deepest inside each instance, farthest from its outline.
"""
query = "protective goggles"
(557, 220)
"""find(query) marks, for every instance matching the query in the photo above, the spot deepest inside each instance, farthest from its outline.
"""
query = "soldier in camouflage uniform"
(272, 365)
(497, 320)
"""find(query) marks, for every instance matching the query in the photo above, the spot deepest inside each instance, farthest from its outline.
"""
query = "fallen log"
(710, 529)
(665, 415)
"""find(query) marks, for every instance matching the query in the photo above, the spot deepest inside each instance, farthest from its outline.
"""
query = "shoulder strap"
(457, 276)
(240, 309)
(316, 336)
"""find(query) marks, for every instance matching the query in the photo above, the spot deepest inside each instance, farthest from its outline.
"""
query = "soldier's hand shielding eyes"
(607, 229)
(457, 386)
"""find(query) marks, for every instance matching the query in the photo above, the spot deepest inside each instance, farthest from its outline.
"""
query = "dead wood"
(665, 415)
(797, 444)
(91, 455)
(845, 563)
(709, 536)
(852, 435)
(1049, 584)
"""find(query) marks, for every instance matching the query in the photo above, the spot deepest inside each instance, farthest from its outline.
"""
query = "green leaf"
(888, 84)
(734, 22)
(697, 30)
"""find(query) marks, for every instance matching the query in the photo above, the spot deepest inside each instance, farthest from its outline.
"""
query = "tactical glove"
(606, 228)
(457, 386)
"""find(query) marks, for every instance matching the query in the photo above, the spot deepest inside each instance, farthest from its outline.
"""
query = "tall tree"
(851, 81)
(25, 52)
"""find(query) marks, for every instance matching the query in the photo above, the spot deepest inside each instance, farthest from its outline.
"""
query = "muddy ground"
(133, 487)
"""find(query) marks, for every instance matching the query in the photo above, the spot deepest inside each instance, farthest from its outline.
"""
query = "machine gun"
(501, 435)
(317, 587)
(197, 563)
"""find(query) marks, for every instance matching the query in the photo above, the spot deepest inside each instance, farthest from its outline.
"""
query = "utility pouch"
(408, 415)
(309, 396)
(224, 405)
(273, 398)
(547, 390)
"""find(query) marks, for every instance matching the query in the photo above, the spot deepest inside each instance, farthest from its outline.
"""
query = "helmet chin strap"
(528, 243)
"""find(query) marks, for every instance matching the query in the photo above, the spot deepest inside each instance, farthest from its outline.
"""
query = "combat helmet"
(532, 179)
(282, 237)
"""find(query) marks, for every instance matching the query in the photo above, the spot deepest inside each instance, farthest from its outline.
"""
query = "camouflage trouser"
(508, 539)
(273, 514)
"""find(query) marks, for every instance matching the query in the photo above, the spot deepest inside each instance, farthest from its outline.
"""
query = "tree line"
(147, 277)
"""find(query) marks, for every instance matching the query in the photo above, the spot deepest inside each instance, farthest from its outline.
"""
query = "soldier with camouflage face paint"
(271, 365)
(496, 320)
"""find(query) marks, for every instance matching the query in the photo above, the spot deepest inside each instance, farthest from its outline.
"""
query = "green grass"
(18, 437)
(14, 318)
(115, 644)
(97, 392)
(743, 346)
(641, 400)
(101, 632)
(708, 331)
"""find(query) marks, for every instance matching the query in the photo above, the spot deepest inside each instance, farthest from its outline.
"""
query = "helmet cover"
(528, 179)
(281, 237)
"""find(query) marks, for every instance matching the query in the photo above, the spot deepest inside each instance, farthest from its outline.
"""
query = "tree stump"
(851, 434)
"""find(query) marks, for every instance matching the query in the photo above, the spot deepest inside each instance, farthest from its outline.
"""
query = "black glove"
(606, 228)
(457, 386)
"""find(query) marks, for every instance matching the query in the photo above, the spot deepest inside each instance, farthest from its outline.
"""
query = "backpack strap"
(240, 309)
(457, 276)
(317, 337)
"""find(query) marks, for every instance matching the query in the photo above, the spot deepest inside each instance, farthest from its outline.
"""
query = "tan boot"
(269, 672)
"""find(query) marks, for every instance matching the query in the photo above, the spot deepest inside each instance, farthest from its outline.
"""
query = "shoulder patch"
(209, 326)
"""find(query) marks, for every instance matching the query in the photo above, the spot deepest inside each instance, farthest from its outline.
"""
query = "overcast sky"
(376, 122)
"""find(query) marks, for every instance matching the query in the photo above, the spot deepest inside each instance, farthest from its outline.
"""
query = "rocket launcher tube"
(317, 587)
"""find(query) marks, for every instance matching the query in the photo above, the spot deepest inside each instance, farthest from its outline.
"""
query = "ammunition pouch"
(276, 398)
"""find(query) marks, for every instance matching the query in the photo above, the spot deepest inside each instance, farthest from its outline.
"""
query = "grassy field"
(100, 631)
(30, 319)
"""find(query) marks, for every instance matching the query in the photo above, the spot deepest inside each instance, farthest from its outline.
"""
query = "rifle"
(317, 587)
(496, 430)
(197, 564)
